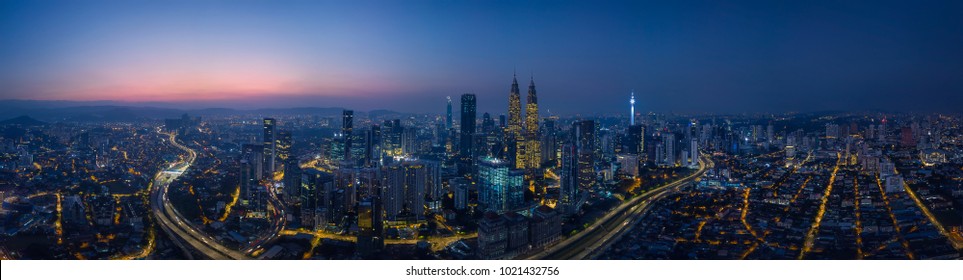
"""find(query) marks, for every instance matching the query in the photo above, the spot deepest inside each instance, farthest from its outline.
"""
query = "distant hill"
(22, 121)
(100, 111)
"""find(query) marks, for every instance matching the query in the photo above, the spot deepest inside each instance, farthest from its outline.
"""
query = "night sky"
(586, 56)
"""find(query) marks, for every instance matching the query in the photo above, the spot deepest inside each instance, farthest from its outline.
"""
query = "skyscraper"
(568, 187)
(292, 179)
(668, 143)
(391, 134)
(533, 145)
(251, 172)
(284, 143)
(514, 139)
(270, 146)
(468, 116)
(635, 140)
(448, 120)
(405, 186)
(550, 142)
(461, 187)
(514, 127)
(347, 123)
(313, 205)
(500, 188)
(584, 133)
(370, 227)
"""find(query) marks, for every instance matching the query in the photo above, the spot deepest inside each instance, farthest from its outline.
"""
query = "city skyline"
(746, 57)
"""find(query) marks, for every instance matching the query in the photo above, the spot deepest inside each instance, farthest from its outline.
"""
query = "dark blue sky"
(586, 56)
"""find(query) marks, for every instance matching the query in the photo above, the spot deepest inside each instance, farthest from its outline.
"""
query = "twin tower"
(523, 145)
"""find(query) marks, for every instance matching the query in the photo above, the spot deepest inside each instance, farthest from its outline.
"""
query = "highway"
(280, 221)
(611, 226)
(182, 231)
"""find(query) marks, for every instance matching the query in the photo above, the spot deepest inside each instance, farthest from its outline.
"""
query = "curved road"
(173, 223)
(614, 224)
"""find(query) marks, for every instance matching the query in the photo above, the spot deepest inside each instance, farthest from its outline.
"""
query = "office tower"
(500, 188)
(632, 109)
(635, 140)
(492, 237)
(448, 120)
(668, 143)
(550, 142)
(315, 198)
(284, 143)
(585, 145)
(468, 116)
(270, 147)
(336, 148)
(533, 144)
(568, 186)
(347, 124)
(369, 147)
(461, 188)
(292, 178)
(693, 153)
(502, 122)
(391, 134)
(370, 227)
(251, 172)
(409, 140)
(254, 154)
(514, 111)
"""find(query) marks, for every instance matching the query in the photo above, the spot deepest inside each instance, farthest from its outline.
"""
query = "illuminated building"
(284, 143)
(632, 109)
(569, 188)
(315, 198)
(500, 188)
(533, 144)
(391, 134)
(584, 133)
(270, 147)
(514, 127)
(629, 164)
(347, 123)
(405, 188)
(252, 158)
(668, 144)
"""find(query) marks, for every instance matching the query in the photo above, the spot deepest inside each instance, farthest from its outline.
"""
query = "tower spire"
(632, 108)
